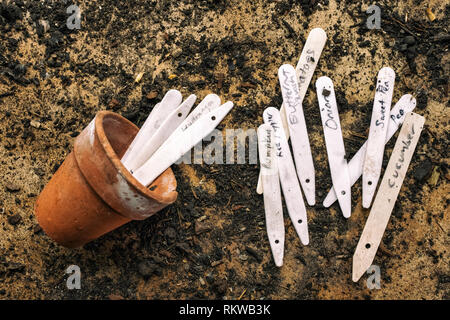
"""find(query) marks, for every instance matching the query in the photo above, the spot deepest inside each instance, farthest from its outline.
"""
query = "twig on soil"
(193, 192)
(180, 215)
(439, 225)
(228, 203)
(357, 135)
(242, 294)
(401, 25)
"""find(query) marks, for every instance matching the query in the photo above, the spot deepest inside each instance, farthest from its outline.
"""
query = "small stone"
(115, 297)
(243, 257)
(14, 219)
(423, 170)
(35, 124)
(254, 253)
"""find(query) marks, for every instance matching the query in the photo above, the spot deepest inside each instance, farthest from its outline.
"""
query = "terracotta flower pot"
(92, 193)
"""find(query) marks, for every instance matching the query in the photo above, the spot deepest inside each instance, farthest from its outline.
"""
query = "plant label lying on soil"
(164, 131)
(306, 65)
(335, 143)
(272, 193)
(377, 134)
(298, 132)
(288, 176)
(305, 69)
(180, 143)
(387, 194)
(406, 104)
(160, 112)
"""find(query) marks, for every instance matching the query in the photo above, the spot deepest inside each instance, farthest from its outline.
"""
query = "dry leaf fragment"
(139, 77)
(430, 15)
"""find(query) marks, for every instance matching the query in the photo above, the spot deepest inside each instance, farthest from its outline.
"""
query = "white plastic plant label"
(305, 69)
(180, 143)
(298, 132)
(406, 104)
(387, 194)
(272, 193)
(335, 143)
(157, 116)
(377, 135)
(172, 121)
(288, 176)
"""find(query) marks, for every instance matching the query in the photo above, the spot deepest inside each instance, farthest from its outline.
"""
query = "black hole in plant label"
(367, 245)
(213, 118)
(300, 221)
(307, 180)
(369, 183)
(343, 192)
(277, 241)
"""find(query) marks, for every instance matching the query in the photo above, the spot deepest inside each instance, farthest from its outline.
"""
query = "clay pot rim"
(147, 192)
